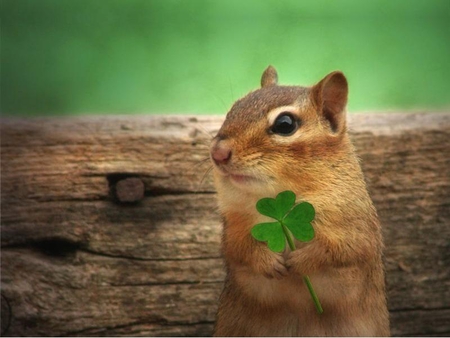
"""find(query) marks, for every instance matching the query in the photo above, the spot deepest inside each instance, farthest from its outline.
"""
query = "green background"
(199, 56)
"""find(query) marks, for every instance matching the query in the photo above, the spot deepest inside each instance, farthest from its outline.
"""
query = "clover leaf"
(276, 207)
(295, 220)
(291, 221)
(271, 233)
(299, 221)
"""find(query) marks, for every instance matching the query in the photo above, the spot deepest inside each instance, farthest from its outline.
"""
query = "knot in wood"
(129, 190)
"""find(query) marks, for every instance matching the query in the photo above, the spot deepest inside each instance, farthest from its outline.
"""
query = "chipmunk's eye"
(285, 124)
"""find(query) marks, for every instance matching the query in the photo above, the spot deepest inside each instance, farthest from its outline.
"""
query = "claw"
(278, 269)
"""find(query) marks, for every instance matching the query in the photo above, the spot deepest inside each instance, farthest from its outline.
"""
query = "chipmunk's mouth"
(238, 178)
(242, 179)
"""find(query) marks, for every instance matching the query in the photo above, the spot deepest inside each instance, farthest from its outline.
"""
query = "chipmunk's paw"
(274, 267)
(295, 263)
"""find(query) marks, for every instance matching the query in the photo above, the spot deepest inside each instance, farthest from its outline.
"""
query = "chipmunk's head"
(275, 136)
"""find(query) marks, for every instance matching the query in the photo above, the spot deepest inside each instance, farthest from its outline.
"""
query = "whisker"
(200, 162)
(207, 172)
(205, 131)
(205, 145)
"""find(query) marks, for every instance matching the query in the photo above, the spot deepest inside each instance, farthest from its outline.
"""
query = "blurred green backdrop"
(198, 56)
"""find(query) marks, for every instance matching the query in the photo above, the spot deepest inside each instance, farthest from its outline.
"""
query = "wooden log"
(84, 251)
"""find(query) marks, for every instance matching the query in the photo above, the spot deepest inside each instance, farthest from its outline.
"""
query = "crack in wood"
(6, 314)
(98, 329)
(51, 246)
(63, 248)
(220, 282)
(147, 259)
(160, 322)
(418, 309)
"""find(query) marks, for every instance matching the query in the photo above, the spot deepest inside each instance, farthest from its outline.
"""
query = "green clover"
(291, 221)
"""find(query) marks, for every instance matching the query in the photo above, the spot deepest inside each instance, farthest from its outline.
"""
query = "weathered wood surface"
(77, 259)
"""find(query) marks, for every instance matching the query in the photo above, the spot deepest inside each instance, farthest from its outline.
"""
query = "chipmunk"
(295, 138)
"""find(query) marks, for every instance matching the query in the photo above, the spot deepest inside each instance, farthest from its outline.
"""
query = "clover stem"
(313, 294)
(306, 279)
(288, 235)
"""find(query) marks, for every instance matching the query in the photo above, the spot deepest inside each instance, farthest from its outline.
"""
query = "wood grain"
(76, 259)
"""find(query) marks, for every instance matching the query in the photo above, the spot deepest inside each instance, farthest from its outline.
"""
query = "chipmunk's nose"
(221, 153)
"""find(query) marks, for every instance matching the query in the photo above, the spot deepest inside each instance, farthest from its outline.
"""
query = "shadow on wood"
(109, 225)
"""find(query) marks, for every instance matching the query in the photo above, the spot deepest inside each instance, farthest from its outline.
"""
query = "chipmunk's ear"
(330, 98)
(269, 77)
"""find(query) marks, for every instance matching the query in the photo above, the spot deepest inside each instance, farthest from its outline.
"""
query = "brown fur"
(264, 294)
